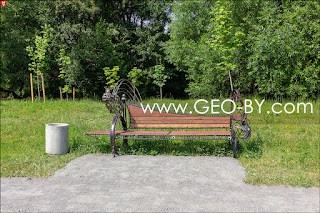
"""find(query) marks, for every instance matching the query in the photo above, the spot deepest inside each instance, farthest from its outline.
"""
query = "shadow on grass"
(168, 147)
(248, 149)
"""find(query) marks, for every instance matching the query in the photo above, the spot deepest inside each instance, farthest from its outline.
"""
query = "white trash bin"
(57, 138)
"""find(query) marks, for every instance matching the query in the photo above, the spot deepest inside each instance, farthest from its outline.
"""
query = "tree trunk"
(31, 84)
(134, 93)
(161, 93)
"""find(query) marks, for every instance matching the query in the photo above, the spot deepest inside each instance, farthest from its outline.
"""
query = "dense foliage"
(271, 48)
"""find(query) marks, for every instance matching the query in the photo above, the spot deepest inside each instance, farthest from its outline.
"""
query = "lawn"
(283, 149)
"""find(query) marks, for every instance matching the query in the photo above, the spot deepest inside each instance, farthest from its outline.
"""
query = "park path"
(101, 183)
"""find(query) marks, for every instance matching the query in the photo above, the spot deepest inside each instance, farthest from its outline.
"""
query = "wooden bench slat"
(180, 118)
(178, 121)
(146, 133)
(200, 133)
(154, 114)
(137, 111)
(164, 133)
(184, 125)
(139, 119)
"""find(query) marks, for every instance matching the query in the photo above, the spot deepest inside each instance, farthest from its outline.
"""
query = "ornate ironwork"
(239, 125)
(117, 106)
(112, 102)
(116, 100)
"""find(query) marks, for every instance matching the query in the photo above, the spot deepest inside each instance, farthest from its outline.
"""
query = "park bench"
(137, 124)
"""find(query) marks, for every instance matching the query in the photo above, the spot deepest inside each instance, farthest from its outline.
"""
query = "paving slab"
(136, 183)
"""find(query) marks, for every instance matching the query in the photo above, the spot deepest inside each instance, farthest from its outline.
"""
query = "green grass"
(23, 136)
(283, 149)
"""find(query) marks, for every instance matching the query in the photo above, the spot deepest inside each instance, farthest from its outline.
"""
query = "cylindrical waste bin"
(57, 138)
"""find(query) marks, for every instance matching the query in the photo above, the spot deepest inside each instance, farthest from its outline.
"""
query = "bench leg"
(124, 128)
(235, 144)
(113, 145)
(112, 136)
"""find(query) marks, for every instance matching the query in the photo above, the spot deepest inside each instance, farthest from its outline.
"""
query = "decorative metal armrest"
(240, 126)
(113, 102)
(116, 106)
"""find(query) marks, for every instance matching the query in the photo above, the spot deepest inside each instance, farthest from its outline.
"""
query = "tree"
(225, 39)
(20, 20)
(159, 77)
(93, 33)
(111, 76)
(285, 50)
(188, 47)
(37, 54)
(267, 45)
(134, 75)
(64, 63)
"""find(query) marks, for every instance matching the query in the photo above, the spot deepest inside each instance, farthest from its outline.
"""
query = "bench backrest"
(139, 119)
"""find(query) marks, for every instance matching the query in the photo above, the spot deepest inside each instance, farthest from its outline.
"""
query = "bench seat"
(146, 120)
(162, 133)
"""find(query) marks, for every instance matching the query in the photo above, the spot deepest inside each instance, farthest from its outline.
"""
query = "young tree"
(206, 40)
(64, 62)
(111, 75)
(159, 77)
(225, 39)
(134, 76)
(37, 54)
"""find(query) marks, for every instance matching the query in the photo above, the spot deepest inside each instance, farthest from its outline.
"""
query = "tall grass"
(283, 149)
